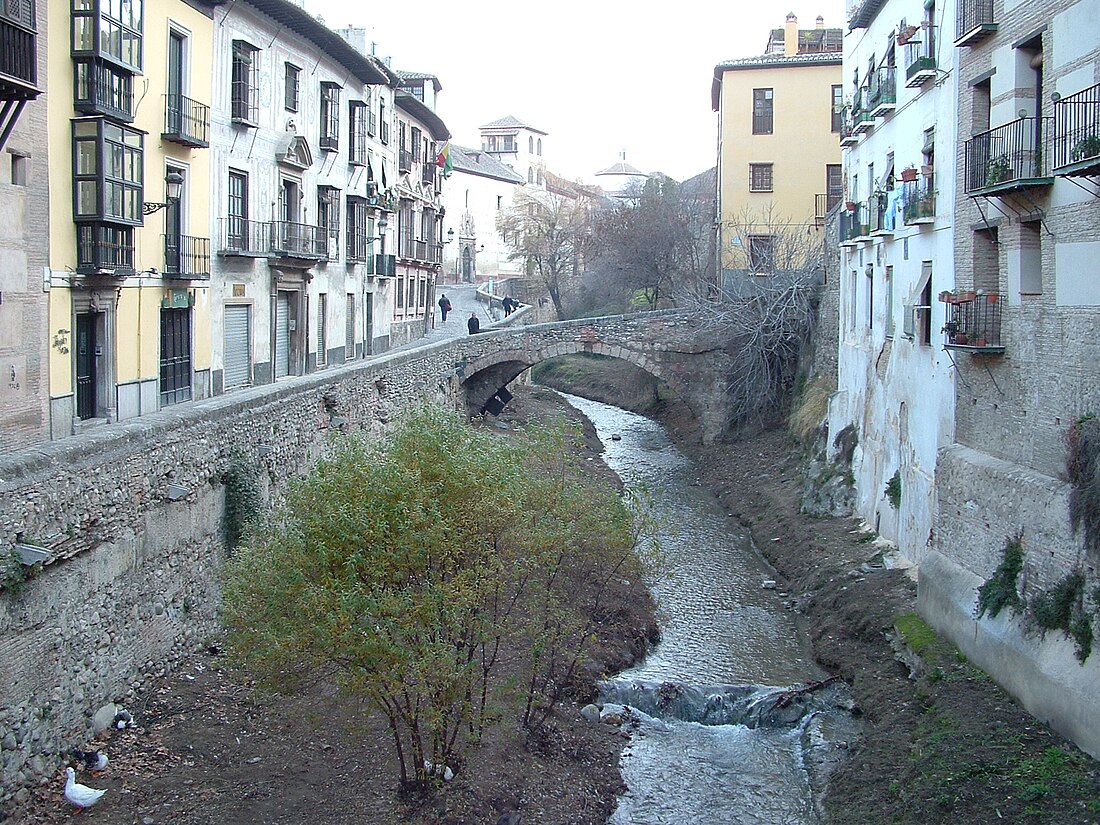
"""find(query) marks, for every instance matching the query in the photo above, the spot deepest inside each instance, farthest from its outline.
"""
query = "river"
(714, 741)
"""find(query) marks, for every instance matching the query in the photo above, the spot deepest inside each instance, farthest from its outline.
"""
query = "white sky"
(600, 77)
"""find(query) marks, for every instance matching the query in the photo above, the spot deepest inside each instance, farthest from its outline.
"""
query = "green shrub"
(893, 490)
(999, 590)
(1062, 607)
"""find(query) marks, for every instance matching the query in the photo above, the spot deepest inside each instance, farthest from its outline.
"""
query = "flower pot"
(850, 206)
(965, 297)
(960, 338)
(908, 175)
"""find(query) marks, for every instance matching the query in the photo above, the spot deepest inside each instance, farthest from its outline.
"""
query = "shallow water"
(707, 749)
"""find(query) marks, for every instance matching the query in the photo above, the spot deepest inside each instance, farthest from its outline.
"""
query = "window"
(530, 144)
(236, 221)
(322, 329)
(760, 253)
(838, 107)
(100, 88)
(357, 133)
(290, 90)
(889, 302)
(922, 312)
(349, 327)
(330, 117)
(540, 147)
(108, 162)
(870, 272)
(762, 107)
(19, 164)
(530, 174)
(175, 356)
(383, 126)
(328, 220)
(104, 247)
(244, 84)
(416, 141)
(110, 29)
(358, 235)
(1031, 260)
(760, 177)
(834, 184)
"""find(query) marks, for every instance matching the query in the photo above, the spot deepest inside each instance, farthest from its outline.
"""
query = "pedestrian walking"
(474, 325)
(444, 306)
(509, 305)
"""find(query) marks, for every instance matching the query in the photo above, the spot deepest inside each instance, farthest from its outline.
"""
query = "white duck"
(80, 795)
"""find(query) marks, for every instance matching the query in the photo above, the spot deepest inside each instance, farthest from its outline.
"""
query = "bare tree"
(545, 231)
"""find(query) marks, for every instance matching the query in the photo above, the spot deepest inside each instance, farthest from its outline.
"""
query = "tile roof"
(769, 61)
(478, 162)
(509, 122)
(414, 76)
(420, 110)
(621, 168)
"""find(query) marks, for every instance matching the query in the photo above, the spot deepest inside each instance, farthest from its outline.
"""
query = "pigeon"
(94, 761)
(123, 719)
(80, 795)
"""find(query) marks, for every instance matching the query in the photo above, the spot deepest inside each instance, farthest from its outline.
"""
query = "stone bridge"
(127, 518)
(671, 345)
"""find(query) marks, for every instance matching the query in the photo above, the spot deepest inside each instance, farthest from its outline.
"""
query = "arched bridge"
(672, 345)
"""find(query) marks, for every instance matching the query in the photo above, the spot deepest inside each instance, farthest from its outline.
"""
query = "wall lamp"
(173, 188)
(450, 236)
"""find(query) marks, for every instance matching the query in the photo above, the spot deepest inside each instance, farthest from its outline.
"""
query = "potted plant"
(1087, 147)
(905, 34)
(909, 174)
(997, 170)
(850, 206)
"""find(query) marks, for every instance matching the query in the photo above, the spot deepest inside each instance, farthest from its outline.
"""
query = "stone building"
(24, 228)
(1021, 329)
(129, 220)
(895, 382)
(778, 159)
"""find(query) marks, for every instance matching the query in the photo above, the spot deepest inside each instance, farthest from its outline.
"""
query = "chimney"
(820, 22)
(790, 35)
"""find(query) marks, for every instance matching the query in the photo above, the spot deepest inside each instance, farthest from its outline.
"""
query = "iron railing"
(920, 201)
(972, 321)
(428, 172)
(299, 240)
(1077, 132)
(849, 226)
(882, 90)
(186, 121)
(877, 208)
(240, 236)
(973, 21)
(848, 136)
(1009, 156)
(104, 250)
(102, 89)
(823, 204)
(404, 160)
(920, 56)
(385, 266)
(186, 257)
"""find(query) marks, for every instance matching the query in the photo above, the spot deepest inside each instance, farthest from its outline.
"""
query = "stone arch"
(484, 377)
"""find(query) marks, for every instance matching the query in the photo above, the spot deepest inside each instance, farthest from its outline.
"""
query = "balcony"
(186, 258)
(920, 202)
(823, 205)
(972, 322)
(849, 228)
(186, 121)
(883, 91)
(428, 173)
(1077, 133)
(848, 137)
(862, 119)
(385, 266)
(881, 221)
(404, 161)
(1008, 158)
(920, 56)
(973, 21)
(18, 52)
(299, 240)
(243, 237)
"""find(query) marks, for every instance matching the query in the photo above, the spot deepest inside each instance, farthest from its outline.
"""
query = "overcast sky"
(599, 77)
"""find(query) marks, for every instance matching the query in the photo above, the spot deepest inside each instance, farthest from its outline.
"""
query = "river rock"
(590, 713)
(104, 717)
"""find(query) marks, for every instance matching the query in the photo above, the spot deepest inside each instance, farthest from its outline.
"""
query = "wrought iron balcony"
(240, 236)
(920, 201)
(920, 56)
(385, 266)
(1012, 156)
(972, 321)
(973, 21)
(428, 172)
(882, 91)
(862, 119)
(848, 136)
(849, 227)
(18, 52)
(186, 121)
(186, 258)
(1077, 133)
(299, 240)
(404, 161)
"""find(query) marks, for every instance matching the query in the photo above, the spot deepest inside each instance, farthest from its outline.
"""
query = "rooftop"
(477, 162)
(509, 122)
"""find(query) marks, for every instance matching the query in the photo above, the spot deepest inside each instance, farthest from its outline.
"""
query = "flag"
(443, 159)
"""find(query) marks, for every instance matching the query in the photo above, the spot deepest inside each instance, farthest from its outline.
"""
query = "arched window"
(530, 144)
(531, 174)
(540, 147)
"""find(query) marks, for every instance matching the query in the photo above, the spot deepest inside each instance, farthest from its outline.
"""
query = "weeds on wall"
(13, 573)
(893, 490)
(1062, 607)
(999, 590)
(243, 497)
(1083, 471)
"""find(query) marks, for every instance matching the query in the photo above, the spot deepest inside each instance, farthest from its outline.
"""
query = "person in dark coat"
(509, 305)
(444, 306)
(474, 325)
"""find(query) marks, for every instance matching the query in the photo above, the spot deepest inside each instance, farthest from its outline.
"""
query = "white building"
(620, 179)
(895, 381)
(518, 146)
(303, 160)
(480, 187)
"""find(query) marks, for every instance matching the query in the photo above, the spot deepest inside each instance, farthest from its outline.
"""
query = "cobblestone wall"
(133, 516)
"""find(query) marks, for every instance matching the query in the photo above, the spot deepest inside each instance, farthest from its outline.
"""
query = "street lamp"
(173, 188)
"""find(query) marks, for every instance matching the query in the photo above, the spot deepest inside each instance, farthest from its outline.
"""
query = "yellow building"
(129, 207)
(778, 148)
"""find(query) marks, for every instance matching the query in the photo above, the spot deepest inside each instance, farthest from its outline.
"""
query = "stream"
(714, 738)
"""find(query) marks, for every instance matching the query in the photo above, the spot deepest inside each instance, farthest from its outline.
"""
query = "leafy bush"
(999, 590)
(1083, 472)
(893, 490)
(1062, 607)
